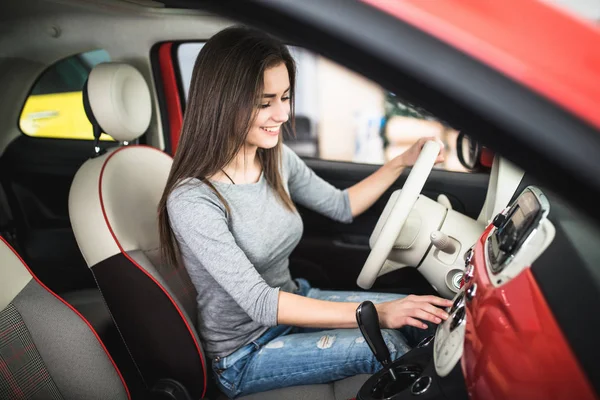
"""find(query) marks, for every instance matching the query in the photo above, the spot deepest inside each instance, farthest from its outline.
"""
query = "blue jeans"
(290, 356)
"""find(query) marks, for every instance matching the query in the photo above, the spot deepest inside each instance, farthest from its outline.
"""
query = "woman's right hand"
(411, 309)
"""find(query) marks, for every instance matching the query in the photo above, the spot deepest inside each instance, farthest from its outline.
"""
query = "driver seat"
(113, 205)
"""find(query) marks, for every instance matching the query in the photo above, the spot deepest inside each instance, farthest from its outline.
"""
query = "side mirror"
(469, 152)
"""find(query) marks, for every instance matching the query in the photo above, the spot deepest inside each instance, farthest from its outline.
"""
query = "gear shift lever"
(368, 323)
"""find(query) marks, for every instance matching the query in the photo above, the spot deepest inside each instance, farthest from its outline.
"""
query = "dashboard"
(502, 332)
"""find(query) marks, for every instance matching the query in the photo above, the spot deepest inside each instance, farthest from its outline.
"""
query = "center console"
(416, 378)
(416, 373)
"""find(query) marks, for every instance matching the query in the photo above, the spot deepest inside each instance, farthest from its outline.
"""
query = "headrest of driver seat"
(117, 99)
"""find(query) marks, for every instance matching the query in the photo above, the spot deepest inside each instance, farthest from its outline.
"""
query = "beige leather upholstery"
(14, 276)
(101, 199)
(120, 100)
(87, 219)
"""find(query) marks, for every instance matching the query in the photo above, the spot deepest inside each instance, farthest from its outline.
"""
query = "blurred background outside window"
(342, 116)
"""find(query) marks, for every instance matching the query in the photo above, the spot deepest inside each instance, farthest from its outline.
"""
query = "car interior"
(87, 299)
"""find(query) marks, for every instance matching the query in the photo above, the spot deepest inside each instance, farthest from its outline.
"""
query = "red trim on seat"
(75, 311)
(137, 265)
(171, 91)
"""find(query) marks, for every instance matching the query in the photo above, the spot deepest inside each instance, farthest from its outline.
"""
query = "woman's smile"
(272, 130)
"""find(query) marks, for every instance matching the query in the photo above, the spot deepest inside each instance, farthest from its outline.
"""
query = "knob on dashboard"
(499, 220)
(469, 272)
(471, 292)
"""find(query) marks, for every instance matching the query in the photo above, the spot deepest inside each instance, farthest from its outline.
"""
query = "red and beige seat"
(47, 349)
(113, 209)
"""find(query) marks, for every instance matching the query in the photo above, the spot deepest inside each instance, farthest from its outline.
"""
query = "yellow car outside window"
(54, 108)
(57, 116)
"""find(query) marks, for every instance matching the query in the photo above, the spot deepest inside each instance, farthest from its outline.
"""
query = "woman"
(227, 215)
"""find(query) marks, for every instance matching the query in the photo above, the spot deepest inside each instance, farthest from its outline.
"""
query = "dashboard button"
(469, 271)
(468, 256)
(457, 318)
(471, 292)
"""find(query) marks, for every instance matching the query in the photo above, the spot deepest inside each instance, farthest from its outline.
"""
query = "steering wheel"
(398, 215)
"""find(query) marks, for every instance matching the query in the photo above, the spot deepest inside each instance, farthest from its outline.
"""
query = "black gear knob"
(368, 323)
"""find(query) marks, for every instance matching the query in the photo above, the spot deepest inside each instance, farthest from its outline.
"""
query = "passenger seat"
(47, 349)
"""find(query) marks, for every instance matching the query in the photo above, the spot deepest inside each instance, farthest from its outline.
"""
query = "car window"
(342, 116)
(54, 107)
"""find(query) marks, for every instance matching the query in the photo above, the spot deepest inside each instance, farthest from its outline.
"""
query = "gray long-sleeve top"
(238, 261)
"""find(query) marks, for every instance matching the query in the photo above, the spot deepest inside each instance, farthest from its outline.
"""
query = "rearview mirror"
(468, 151)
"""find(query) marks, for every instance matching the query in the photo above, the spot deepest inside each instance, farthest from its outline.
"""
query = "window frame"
(182, 93)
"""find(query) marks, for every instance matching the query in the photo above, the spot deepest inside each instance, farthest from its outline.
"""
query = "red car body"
(534, 43)
(514, 348)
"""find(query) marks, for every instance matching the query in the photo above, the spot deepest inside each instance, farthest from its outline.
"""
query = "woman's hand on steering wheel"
(411, 310)
(409, 157)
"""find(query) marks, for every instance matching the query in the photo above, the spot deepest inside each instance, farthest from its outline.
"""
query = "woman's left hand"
(409, 157)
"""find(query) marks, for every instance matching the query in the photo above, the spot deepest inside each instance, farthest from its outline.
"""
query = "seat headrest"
(14, 275)
(117, 98)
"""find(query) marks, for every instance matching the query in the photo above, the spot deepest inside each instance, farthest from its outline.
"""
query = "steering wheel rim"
(398, 215)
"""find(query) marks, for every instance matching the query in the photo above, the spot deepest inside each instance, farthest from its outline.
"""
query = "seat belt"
(7, 226)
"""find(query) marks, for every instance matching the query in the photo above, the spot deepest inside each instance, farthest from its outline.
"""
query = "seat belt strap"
(7, 227)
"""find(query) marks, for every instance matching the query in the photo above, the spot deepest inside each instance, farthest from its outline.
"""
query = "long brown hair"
(227, 82)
